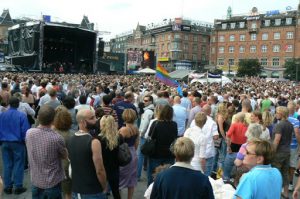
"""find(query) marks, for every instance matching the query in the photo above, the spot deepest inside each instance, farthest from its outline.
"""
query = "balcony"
(253, 30)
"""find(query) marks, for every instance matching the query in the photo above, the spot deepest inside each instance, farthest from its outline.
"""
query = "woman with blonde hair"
(197, 135)
(223, 124)
(130, 135)
(62, 124)
(267, 120)
(109, 138)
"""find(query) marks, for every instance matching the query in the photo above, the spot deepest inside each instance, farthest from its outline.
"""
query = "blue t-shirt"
(261, 181)
(295, 123)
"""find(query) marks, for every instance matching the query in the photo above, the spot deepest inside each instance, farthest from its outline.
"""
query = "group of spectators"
(245, 133)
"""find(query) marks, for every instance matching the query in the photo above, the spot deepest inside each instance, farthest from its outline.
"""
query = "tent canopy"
(146, 71)
(224, 80)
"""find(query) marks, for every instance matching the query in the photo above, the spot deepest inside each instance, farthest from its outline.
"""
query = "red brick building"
(271, 37)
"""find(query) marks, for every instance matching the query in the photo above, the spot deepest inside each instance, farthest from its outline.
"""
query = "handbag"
(124, 154)
(148, 148)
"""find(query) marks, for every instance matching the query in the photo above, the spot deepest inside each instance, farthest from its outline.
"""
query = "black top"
(164, 132)
(84, 178)
(110, 157)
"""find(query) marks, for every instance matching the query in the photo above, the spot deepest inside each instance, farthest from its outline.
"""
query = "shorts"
(281, 162)
(294, 158)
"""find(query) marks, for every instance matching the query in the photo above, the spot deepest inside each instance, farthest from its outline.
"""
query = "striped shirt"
(45, 151)
(110, 111)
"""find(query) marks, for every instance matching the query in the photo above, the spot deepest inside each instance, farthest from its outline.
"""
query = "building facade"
(175, 44)
(271, 37)
(5, 22)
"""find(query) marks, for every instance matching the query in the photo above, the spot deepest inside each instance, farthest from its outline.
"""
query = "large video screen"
(134, 59)
(148, 59)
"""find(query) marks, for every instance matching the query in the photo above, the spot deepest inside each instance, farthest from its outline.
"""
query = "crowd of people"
(68, 130)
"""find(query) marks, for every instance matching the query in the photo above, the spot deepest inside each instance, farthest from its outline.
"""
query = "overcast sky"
(119, 16)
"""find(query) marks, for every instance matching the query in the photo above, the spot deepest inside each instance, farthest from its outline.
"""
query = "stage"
(52, 47)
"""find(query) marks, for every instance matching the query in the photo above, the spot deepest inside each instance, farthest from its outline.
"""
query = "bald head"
(177, 100)
(206, 109)
(83, 114)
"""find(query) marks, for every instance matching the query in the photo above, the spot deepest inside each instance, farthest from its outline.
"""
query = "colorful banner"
(163, 76)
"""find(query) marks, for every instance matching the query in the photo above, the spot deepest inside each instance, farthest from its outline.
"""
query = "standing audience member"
(46, 148)
(180, 115)
(13, 127)
(62, 124)
(196, 109)
(130, 135)
(181, 181)
(109, 138)
(164, 138)
(85, 154)
(69, 103)
(282, 136)
(262, 181)
(197, 135)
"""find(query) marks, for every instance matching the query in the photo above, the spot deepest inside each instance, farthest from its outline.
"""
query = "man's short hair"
(46, 115)
(184, 149)
(128, 95)
(14, 102)
(52, 92)
(106, 99)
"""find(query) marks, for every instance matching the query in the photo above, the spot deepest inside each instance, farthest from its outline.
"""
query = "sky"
(119, 16)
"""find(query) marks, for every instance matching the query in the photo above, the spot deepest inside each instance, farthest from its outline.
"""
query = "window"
(231, 38)
(276, 48)
(242, 37)
(264, 48)
(252, 49)
(169, 37)
(221, 62)
(177, 36)
(288, 21)
(203, 49)
(277, 22)
(290, 35)
(195, 47)
(213, 39)
(242, 24)
(288, 48)
(162, 47)
(275, 61)
(185, 56)
(213, 50)
(267, 22)
(224, 26)
(232, 25)
(185, 46)
(231, 49)
(221, 38)
(221, 49)
(276, 35)
(253, 25)
(253, 36)
(264, 62)
(204, 39)
(186, 37)
(194, 57)
(169, 46)
(230, 62)
(162, 37)
(242, 49)
(264, 36)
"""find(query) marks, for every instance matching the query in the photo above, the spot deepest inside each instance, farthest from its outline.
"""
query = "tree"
(291, 69)
(249, 67)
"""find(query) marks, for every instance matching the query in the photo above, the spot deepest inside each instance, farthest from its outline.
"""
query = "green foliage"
(290, 69)
(249, 67)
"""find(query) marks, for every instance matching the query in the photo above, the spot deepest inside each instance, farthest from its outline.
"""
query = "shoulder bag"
(148, 148)
(124, 154)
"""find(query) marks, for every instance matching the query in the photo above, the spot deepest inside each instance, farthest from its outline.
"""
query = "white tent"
(224, 80)
(146, 71)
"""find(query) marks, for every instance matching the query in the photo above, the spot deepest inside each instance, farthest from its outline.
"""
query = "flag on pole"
(163, 76)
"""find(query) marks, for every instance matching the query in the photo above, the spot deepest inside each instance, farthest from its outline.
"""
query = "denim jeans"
(51, 193)
(89, 196)
(13, 157)
(220, 156)
(153, 163)
(209, 166)
(228, 165)
(140, 158)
